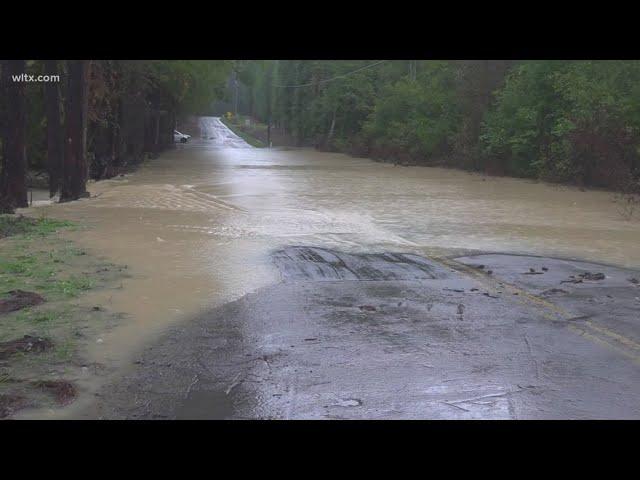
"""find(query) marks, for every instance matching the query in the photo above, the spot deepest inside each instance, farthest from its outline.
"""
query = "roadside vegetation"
(29, 227)
(45, 326)
(576, 122)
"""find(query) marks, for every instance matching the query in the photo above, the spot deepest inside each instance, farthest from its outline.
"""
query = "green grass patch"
(41, 317)
(53, 273)
(11, 225)
(37, 260)
(34, 259)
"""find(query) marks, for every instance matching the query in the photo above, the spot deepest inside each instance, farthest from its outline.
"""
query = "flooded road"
(197, 226)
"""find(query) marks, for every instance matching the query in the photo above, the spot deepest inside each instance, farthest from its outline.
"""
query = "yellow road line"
(585, 334)
(622, 339)
(527, 298)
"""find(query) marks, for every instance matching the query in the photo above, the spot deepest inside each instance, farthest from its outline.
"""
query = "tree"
(74, 169)
(13, 186)
(55, 134)
(105, 94)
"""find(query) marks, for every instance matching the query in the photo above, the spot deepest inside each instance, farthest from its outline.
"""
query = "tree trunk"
(55, 134)
(13, 181)
(117, 138)
(74, 171)
(112, 140)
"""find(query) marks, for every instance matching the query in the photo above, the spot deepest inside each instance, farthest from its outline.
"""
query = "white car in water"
(180, 137)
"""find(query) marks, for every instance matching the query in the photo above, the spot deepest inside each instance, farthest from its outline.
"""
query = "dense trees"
(570, 121)
(414, 119)
(103, 116)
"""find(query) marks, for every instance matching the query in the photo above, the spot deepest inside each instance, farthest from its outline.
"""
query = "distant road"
(212, 129)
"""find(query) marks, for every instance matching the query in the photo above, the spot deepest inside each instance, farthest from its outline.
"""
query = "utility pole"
(269, 85)
(235, 100)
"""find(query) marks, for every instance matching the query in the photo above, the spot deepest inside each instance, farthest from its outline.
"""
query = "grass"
(11, 225)
(43, 318)
(237, 129)
(52, 272)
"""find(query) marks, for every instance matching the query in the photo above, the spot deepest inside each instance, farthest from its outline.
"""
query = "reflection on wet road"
(213, 130)
(198, 227)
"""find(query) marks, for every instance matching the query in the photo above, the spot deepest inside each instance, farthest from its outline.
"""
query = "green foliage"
(391, 108)
(524, 110)
(191, 85)
(305, 104)
(418, 117)
(568, 121)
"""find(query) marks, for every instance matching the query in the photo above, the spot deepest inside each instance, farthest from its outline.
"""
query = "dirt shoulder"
(44, 328)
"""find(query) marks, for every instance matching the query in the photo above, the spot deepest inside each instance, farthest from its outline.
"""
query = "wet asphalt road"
(399, 336)
(215, 132)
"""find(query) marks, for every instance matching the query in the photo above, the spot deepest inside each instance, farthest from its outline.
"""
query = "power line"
(333, 78)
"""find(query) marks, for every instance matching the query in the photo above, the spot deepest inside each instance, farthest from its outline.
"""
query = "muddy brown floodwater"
(197, 225)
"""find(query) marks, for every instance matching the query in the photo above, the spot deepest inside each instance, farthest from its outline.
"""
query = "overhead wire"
(332, 78)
